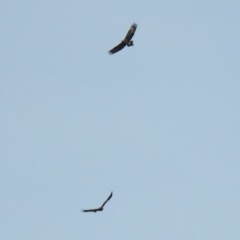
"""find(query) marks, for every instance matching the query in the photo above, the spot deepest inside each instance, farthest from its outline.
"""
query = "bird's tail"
(130, 44)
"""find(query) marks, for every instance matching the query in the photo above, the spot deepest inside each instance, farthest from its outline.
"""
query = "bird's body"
(126, 41)
(100, 208)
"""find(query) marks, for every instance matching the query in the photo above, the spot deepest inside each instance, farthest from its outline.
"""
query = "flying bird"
(100, 208)
(126, 41)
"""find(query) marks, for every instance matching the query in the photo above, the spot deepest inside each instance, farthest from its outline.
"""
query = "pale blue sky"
(158, 123)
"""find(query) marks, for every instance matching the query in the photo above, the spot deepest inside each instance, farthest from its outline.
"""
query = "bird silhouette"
(126, 41)
(100, 208)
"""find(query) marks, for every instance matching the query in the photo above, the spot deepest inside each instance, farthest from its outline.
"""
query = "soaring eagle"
(126, 41)
(100, 208)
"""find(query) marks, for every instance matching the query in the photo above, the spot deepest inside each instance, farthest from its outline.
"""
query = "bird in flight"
(100, 208)
(126, 41)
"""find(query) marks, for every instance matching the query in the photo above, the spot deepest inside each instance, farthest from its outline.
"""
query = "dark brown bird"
(100, 208)
(126, 41)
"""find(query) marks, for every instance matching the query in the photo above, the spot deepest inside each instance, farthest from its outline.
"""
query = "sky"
(157, 123)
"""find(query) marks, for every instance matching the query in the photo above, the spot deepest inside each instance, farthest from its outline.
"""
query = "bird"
(100, 208)
(126, 41)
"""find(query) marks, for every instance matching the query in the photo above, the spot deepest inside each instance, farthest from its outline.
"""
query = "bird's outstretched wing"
(130, 33)
(107, 200)
(117, 48)
(90, 210)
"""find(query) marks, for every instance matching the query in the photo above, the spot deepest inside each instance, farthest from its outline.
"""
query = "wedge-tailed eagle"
(100, 208)
(126, 41)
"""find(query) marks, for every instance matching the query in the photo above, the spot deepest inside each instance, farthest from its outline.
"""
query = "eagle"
(100, 208)
(126, 41)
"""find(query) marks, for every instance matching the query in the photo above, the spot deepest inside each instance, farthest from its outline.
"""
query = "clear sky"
(158, 123)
